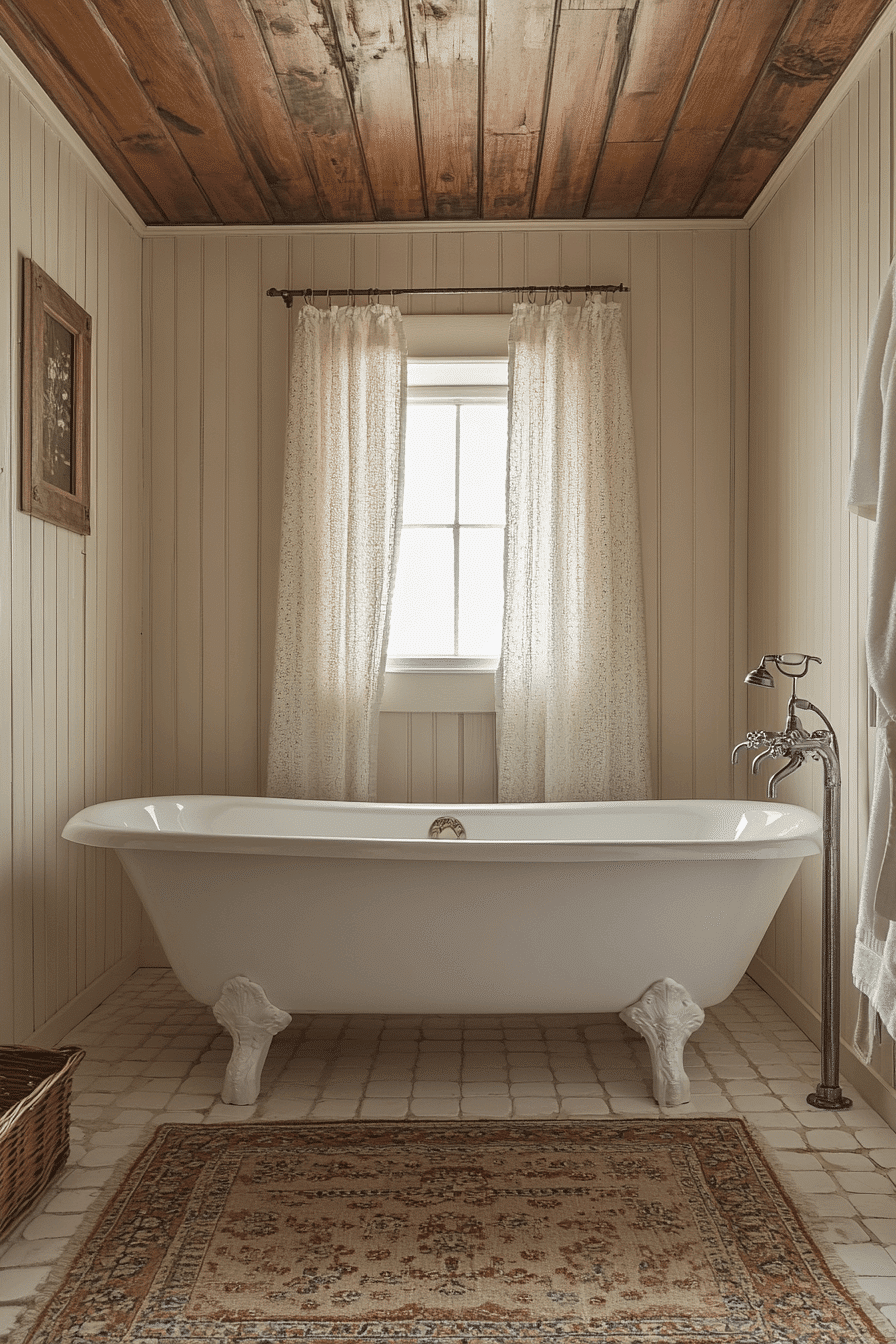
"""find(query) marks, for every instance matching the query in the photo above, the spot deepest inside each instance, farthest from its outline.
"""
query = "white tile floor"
(154, 1055)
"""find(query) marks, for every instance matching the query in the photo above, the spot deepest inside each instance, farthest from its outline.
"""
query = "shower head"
(793, 665)
(760, 676)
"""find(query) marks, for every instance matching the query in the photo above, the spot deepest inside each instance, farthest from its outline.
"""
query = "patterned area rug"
(463, 1233)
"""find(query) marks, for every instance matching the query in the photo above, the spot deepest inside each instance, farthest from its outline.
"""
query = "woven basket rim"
(56, 1065)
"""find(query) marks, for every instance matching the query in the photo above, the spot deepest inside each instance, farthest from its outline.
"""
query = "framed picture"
(55, 404)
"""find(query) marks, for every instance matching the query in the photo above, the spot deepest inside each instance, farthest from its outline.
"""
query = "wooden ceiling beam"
(167, 68)
(808, 58)
(665, 41)
(445, 48)
(591, 54)
(230, 48)
(93, 63)
(737, 47)
(35, 55)
(373, 42)
(516, 78)
(304, 53)
(298, 111)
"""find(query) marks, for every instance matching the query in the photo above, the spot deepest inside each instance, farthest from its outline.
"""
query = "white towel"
(872, 494)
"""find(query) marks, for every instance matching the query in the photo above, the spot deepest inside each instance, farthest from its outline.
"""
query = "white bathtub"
(265, 905)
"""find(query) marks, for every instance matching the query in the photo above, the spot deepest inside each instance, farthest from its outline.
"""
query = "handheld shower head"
(794, 665)
(760, 676)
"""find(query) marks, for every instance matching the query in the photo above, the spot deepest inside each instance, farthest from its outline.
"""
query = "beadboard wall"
(215, 378)
(70, 668)
(186, 493)
(820, 252)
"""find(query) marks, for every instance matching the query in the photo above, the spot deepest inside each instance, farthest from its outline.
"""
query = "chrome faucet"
(794, 742)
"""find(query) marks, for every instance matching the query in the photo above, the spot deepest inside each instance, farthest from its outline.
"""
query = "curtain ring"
(568, 293)
(307, 296)
(533, 294)
(327, 299)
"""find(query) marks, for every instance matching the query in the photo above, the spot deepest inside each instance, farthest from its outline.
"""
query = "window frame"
(455, 394)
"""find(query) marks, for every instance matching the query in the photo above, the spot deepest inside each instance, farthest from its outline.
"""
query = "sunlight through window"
(449, 589)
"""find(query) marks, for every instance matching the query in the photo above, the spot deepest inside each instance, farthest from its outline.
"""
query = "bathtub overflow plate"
(447, 828)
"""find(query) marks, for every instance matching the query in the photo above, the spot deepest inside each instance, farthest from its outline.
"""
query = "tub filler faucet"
(796, 744)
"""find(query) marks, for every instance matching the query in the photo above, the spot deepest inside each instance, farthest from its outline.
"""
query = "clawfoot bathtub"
(268, 905)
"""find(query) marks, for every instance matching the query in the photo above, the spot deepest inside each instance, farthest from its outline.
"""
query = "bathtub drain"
(447, 828)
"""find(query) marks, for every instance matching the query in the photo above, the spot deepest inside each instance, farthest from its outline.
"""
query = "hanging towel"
(872, 495)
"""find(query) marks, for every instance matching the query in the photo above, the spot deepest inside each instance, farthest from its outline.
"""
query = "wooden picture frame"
(55, 404)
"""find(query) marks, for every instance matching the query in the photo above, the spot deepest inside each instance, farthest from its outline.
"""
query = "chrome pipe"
(757, 760)
(796, 743)
(827, 1095)
(793, 764)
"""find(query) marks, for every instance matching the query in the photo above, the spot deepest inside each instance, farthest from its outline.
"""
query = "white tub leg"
(666, 1015)
(253, 1022)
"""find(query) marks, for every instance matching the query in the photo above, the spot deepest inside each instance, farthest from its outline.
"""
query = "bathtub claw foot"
(253, 1022)
(666, 1015)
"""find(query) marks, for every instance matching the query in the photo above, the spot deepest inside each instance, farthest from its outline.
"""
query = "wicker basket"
(35, 1090)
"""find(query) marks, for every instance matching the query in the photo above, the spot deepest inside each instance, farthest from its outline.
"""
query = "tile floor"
(154, 1055)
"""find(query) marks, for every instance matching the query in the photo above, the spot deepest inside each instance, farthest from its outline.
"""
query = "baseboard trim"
(65, 1021)
(870, 1086)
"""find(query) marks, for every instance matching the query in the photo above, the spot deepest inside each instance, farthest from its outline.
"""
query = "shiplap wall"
(70, 666)
(215, 361)
(820, 252)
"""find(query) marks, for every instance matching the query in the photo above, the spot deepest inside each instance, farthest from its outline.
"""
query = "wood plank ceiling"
(296, 111)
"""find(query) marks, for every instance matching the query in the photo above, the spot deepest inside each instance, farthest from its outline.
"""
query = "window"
(449, 588)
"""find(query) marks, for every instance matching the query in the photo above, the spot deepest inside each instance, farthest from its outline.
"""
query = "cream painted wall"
(819, 253)
(215, 376)
(70, 667)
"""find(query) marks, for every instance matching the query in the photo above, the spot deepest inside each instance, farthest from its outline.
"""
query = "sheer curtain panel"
(341, 501)
(571, 684)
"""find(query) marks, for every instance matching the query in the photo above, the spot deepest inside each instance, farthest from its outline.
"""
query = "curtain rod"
(287, 295)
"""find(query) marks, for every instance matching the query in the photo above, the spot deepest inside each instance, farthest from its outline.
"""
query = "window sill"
(452, 665)
(431, 689)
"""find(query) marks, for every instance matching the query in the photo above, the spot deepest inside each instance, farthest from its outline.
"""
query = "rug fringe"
(815, 1226)
(91, 1216)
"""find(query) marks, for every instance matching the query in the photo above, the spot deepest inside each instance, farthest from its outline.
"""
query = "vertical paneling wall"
(820, 252)
(70, 666)
(437, 757)
(216, 361)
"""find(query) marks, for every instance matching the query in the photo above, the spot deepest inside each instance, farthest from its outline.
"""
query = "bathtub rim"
(91, 826)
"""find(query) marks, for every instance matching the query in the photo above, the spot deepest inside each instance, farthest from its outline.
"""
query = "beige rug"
(481, 1233)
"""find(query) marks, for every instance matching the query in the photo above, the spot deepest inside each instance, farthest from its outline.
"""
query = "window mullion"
(412, 623)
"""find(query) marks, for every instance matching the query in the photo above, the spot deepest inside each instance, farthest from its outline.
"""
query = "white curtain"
(341, 501)
(571, 683)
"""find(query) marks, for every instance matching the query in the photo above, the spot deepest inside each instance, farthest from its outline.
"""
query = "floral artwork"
(55, 476)
(58, 401)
